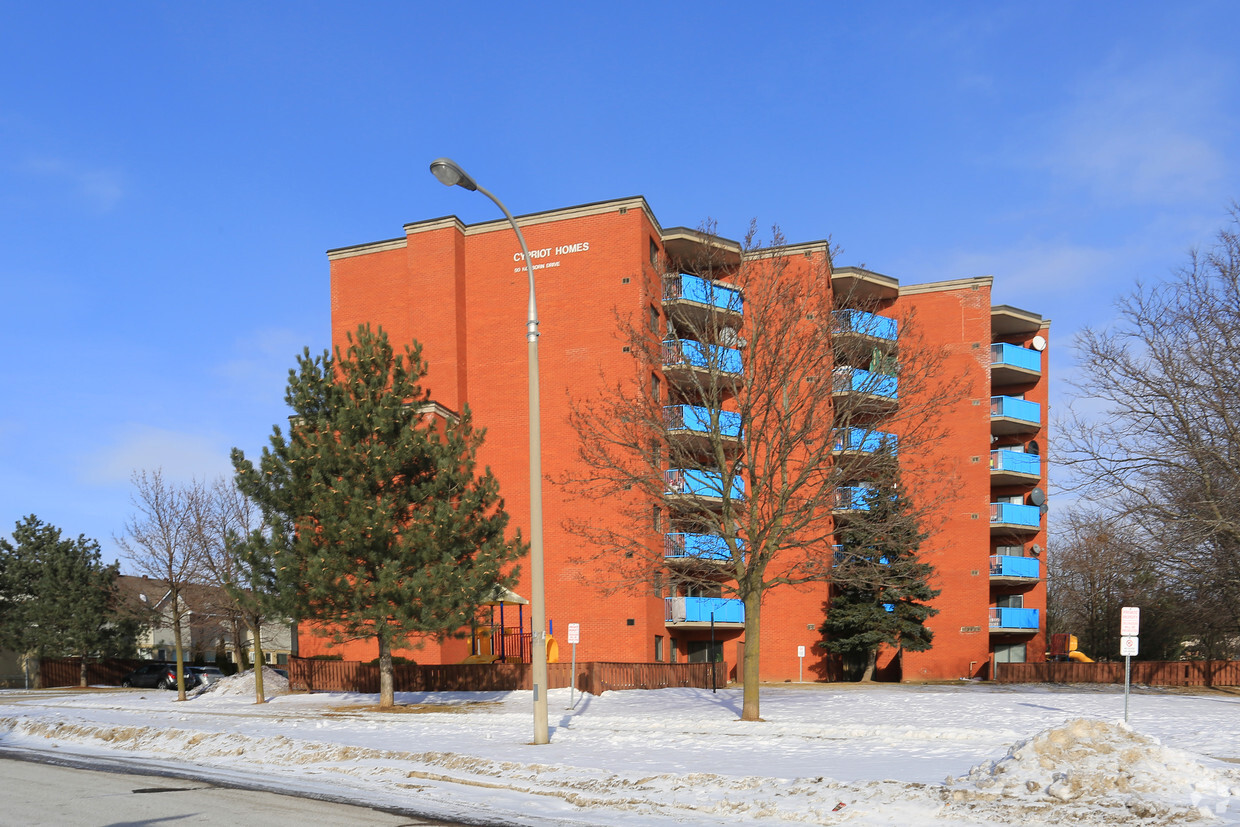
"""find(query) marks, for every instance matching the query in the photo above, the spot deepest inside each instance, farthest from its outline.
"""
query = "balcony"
(1011, 570)
(863, 441)
(684, 357)
(693, 300)
(1008, 518)
(1009, 415)
(1013, 365)
(694, 422)
(1014, 468)
(698, 611)
(867, 329)
(872, 390)
(706, 485)
(1018, 621)
(710, 548)
(851, 498)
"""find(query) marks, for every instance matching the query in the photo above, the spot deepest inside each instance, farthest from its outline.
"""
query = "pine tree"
(379, 512)
(58, 599)
(885, 587)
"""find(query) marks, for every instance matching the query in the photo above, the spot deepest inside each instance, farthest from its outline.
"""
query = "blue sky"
(171, 175)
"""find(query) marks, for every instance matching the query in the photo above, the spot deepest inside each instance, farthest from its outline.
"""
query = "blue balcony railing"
(860, 439)
(697, 419)
(686, 287)
(701, 610)
(699, 546)
(1013, 618)
(866, 324)
(1015, 356)
(1016, 462)
(859, 380)
(701, 483)
(1015, 514)
(1003, 565)
(852, 498)
(1009, 407)
(701, 355)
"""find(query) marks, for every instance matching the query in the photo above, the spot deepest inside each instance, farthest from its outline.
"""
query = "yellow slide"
(1080, 657)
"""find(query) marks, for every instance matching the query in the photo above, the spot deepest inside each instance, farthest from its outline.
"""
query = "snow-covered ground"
(963, 754)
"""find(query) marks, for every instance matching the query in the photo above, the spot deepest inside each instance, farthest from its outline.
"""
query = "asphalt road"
(36, 793)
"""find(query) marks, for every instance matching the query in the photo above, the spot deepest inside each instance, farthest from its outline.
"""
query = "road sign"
(1130, 621)
(1128, 646)
(800, 651)
(574, 633)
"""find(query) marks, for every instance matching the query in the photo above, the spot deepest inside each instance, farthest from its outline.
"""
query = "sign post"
(574, 637)
(800, 664)
(1129, 628)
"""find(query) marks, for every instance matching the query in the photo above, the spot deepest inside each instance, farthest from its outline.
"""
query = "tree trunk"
(239, 643)
(82, 674)
(749, 667)
(260, 695)
(387, 696)
(871, 660)
(176, 642)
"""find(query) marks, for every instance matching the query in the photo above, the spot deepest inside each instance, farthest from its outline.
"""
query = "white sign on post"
(1128, 646)
(800, 651)
(1130, 621)
(574, 633)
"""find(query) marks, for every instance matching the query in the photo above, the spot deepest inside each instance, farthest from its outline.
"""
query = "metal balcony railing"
(702, 483)
(701, 355)
(1009, 407)
(1003, 565)
(865, 324)
(697, 419)
(865, 441)
(1015, 461)
(1029, 516)
(686, 287)
(1013, 618)
(859, 380)
(1015, 356)
(678, 545)
(702, 609)
(852, 498)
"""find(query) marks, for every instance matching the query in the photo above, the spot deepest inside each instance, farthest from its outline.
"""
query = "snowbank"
(244, 683)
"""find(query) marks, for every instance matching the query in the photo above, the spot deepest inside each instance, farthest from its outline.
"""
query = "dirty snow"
(967, 754)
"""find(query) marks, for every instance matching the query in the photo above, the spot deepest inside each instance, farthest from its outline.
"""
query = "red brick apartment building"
(461, 291)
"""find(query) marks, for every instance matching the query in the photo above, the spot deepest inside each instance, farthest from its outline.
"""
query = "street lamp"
(447, 171)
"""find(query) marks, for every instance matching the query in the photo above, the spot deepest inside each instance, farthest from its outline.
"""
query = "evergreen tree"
(885, 588)
(390, 528)
(58, 599)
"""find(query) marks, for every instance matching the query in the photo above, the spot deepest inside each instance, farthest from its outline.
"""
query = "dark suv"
(158, 676)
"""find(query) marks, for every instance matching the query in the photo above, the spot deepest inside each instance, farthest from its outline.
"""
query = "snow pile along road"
(1102, 767)
(243, 683)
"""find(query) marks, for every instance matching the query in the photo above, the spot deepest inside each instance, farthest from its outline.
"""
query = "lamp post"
(450, 174)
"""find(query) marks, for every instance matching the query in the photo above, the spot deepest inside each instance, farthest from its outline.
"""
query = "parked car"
(206, 675)
(159, 675)
(155, 675)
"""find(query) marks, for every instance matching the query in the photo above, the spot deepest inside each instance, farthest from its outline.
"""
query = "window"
(654, 253)
(656, 518)
(658, 648)
(1010, 601)
(656, 388)
(1009, 653)
(653, 321)
(281, 659)
(1010, 551)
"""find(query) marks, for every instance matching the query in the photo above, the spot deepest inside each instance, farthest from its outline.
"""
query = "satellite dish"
(1037, 496)
(1035, 549)
(1042, 509)
(1038, 343)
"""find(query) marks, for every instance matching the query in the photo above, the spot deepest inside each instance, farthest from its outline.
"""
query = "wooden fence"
(68, 671)
(594, 678)
(1145, 673)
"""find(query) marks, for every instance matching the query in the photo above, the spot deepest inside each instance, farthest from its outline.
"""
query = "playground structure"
(498, 642)
(1064, 647)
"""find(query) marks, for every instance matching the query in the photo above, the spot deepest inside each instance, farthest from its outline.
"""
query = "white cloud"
(259, 370)
(1147, 131)
(182, 456)
(98, 189)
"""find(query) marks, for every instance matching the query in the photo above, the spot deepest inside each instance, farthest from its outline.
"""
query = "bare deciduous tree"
(750, 427)
(160, 542)
(1153, 434)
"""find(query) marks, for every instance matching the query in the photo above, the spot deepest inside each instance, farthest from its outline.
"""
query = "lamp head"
(450, 174)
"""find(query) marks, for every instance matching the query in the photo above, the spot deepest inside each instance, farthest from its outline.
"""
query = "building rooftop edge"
(946, 284)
